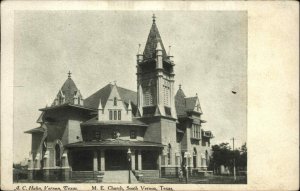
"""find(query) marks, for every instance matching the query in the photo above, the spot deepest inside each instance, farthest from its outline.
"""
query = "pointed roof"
(69, 89)
(180, 102)
(184, 104)
(40, 119)
(151, 44)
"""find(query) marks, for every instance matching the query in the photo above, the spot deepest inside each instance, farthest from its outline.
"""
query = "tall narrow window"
(97, 135)
(206, 158)
(115, 101)
(148, 100)
(119, 115)
(115, 115)
(57, 155)
(133, 134)
(195, 158)
(169, 154)
(110, 115)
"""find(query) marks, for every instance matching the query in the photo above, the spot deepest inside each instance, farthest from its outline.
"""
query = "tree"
(223, 155)
(242, 162)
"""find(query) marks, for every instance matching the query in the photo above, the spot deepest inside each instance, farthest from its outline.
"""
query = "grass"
(214, 179)
(198, 180)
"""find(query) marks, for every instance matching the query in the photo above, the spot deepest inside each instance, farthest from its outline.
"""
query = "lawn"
(198, 180)
(214, 179)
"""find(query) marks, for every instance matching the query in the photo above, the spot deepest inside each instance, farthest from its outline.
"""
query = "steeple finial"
(169, 53)
(69, 74)
(139, 50)
(153, 18)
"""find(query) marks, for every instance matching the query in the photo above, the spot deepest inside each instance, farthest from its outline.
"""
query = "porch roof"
(114, 143)
(94, 121)
(35, 130)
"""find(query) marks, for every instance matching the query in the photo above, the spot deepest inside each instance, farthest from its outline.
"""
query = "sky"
(99, 47)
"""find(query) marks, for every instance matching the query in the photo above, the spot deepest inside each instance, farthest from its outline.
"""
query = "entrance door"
(116, 160)
(82, 160)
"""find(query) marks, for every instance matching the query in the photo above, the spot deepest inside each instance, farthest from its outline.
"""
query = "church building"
(152, 131)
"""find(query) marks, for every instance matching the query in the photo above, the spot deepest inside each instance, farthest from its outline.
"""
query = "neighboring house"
(162, 131)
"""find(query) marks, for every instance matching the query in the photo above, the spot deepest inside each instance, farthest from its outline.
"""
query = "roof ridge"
(109, 84)
(126, 89)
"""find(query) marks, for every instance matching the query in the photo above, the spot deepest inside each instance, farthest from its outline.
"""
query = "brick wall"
(153, 132)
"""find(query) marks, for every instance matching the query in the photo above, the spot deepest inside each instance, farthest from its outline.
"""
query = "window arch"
(195, 158)
(58, 153)
(169, 154)
(206, 157)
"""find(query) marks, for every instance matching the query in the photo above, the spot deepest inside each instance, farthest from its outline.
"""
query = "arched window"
(57, 155)
(169, 154)
(206, 157)
(44, 149)
(115, 101)
(195, 158)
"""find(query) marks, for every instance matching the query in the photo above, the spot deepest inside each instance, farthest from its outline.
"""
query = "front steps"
(84, 176)
(119, 177)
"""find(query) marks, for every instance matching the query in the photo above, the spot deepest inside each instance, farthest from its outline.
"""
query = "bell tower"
(155, 77)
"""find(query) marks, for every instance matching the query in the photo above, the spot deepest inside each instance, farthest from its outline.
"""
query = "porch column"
(139, 160)
(102, 159)
(133, 160)
(66, 169)
(95, 161)
(65, 159)
(159, 163)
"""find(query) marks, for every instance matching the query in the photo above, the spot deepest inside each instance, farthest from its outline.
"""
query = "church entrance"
(82, 160)
(116, 160)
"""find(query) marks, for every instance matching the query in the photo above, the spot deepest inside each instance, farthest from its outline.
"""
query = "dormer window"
(198, 107)
(97, 135)
(115, 101)
(133, 134)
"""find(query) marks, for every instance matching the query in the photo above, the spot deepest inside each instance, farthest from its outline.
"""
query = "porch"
(112, 155)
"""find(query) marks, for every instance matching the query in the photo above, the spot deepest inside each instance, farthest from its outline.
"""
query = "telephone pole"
(234, 171)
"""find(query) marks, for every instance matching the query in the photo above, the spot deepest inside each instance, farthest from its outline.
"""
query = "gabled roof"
(185, 104)
(151, 44)
(190, 103)
(103, 95)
